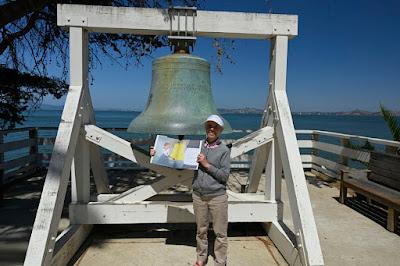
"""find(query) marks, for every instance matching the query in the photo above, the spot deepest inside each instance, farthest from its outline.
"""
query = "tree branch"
(8, 38)
(17, 9)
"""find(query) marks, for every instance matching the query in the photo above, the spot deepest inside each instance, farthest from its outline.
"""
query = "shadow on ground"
(174, 234)
(373, 210)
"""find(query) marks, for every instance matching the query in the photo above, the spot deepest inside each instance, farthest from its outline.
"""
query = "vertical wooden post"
(270, 173)
(1, 169)
(95, 154)
(80, 168)
(260, 155)
(314, 137)
(299, 199)
(344, 160)
(278, 177)
(392, 219)
(343, 188)
(390, 149)
(33, 148)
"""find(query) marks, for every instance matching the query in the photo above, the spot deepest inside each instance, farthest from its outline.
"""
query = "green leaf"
(392, 123)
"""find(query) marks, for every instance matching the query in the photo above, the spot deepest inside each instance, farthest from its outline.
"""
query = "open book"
(174, 153)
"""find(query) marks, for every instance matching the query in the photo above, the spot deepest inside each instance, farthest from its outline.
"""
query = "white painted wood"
(48, 214)
(80, 168)
(96, 157)
(307, 144)
(336, 149)
(41, 243)
(152, 21)
(260, 155)
(270, 173)
(343, 151)
(80, 172)
(243, 197)
(307, 158)
(335, 168)
(284, 244)
(69, 242)
(257, 166)
(166, 212)
(361, 138)
(109, 141)
(98, 169)
(304, 131)
(278, 177)
(300, 204)
(252, 141)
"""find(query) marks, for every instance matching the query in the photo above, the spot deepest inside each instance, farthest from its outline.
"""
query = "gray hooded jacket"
(212, 181)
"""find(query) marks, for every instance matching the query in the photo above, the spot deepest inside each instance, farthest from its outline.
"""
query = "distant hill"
(246, 110)
(356, 112)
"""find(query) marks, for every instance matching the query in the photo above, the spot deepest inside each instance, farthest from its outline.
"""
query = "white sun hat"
(216, 119)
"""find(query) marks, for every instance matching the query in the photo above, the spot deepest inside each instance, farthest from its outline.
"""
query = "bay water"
(369, 126)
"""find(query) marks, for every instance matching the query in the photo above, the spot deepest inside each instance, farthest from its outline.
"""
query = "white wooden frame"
(77, 144)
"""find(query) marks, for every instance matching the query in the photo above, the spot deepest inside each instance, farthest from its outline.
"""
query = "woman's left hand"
(201, 159)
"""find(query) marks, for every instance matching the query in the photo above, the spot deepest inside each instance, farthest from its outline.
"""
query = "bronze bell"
(180, 97)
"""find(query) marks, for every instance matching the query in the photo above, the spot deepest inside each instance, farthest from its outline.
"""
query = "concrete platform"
(352, 234)
(175, 247)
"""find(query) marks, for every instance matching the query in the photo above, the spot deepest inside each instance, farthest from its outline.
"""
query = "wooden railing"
(19, 153)
(24, 150)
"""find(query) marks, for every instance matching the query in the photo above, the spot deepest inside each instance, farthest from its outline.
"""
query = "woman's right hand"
(152, 151)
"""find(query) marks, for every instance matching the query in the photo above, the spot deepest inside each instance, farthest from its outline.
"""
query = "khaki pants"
(218, 208)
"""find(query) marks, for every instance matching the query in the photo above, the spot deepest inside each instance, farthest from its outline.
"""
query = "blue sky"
(345, 57)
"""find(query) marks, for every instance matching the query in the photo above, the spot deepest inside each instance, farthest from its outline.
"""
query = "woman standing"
(209, 193)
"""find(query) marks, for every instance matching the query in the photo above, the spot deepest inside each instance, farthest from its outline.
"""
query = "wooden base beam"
(166, 212)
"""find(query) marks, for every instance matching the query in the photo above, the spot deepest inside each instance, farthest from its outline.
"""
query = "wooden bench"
(383, 184)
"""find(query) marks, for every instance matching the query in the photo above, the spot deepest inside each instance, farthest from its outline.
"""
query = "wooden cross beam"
(152, 21)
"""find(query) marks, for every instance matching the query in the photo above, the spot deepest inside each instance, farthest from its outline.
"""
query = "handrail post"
(345, 142)
(1, 169)
(33, 146)
(391, 149)
(314, 137)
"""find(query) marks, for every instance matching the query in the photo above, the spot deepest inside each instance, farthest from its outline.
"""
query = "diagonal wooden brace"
(41, 243)
(122, 147)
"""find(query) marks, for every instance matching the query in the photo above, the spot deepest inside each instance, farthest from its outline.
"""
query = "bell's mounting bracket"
(182, 28)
